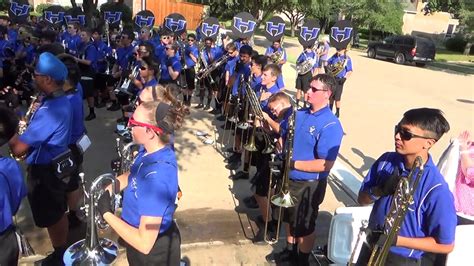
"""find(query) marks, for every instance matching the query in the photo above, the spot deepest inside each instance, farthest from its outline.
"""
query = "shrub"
(41, 8)
(455, 44)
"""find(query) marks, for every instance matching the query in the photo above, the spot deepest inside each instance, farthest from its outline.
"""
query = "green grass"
(443, 55)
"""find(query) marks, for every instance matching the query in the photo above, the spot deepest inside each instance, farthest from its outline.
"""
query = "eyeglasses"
(165, 37)
(407, 135)
(143, 68)
(314, 89)
(134, 123)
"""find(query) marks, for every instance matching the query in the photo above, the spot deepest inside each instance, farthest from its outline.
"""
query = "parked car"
(404, 48)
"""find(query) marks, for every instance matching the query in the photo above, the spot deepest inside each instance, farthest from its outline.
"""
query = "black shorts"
(88, 84)
(336, 95)
(100, 81)
(309, 195)
(46, 195)
(111, 81)
(262, 178)
(190, 75)
(123, 99)
(74, 180)
(302, 81)
(165, 251)
(9, 247)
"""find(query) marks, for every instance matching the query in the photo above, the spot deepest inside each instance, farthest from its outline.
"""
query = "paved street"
(215, 228)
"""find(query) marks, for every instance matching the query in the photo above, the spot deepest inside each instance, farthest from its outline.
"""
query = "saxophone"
(402, 199)
(23, 124)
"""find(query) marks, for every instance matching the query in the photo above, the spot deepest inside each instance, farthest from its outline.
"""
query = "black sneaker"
(90, 117)
(215, 111)
(114, 107)
(240, 175)
(53, 259)
(284, 257)
(235, 156)
(234, 165)
(207, 107)
(199, 106)
(251, 203)
(220, 118)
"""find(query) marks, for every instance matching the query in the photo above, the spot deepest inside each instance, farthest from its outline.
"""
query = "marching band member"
(12, 191)
(78, 130)
(318, 135)
(148, 69)
(121, 68)
(191, 55)
(270, 75)
(228, 71)
(211, 54)
(71, 39)
(170, 66)
(302, 81)
(323, 51)
(100, 81)
(341, 77)
(87, 59)
(47, 137)
(431, 228)
(270, 52)
(150, 190)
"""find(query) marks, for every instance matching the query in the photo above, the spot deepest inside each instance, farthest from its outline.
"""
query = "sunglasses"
(407, 135)
(314, 89)
(143, 68)
(134, 123)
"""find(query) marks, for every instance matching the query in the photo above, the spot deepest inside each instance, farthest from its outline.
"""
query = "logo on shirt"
(308, 34)
(53, 18)
(18, 9)
(312, 129)
(341, 34)
(112, 16)
(244, 26)
(134, 187)
(81, 19)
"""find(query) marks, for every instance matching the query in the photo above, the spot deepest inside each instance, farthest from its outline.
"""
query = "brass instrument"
(92, 250)
(257, 111)
(337, 68)
(23, 124)
(125, 84)
(284, 199)
(402, 199)
(276, 57)
(305, 66)
(126, 155)
(208, 68)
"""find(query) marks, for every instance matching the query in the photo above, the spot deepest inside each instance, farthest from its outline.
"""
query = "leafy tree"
(296, 11)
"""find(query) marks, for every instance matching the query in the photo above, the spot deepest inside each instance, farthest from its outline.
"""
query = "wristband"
(372, 195)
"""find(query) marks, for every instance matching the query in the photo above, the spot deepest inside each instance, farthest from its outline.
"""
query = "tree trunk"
(73, 3)
(293, 26)
(467, 48)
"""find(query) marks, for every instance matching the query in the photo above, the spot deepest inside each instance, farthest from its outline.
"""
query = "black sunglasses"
(314, 89)
(407, 135)
(143, 68)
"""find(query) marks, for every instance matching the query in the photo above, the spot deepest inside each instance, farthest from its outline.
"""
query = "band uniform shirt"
(348, 65)
(12, 190)
(308, 55)
(49, 131)
(152, 188)
(190, 49)
(273, 89)
(102, 52)
(431, 214)
(175, 65)
(318, 135)
(230, 65)
(256, 84)
(78, 129)
(240, 69)
(153, 82)
(88, 51)
(72, 43)
(123, 56)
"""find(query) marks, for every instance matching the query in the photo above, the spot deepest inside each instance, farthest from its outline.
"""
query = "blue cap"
(49, 65)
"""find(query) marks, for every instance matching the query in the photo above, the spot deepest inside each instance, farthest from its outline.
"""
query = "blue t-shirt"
(211, 55)
(256, 84)
(49, 131)
(325, 49)
(273, 89)
(175, 64)
(151, 83)
(72, 43)
(279, 82)
(123, 56)
(318, 135)
(191, 49)
(152, 188)
(78, 128)
(88, 51)
(432, 213)
(348, 65)
(230, 65)
(102, 52)
(12, 190)
(241, 69)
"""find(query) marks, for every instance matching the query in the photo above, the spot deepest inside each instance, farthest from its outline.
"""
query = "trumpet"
(92, 250)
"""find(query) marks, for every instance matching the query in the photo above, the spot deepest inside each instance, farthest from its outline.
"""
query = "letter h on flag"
(341, 35)
(278, 28)
(209, 30)
(240, 25)
(144, 21)
(19, 10)
(309, 34)
(178, 25)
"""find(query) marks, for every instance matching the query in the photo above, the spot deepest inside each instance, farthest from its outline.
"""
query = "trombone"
(283, 199)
